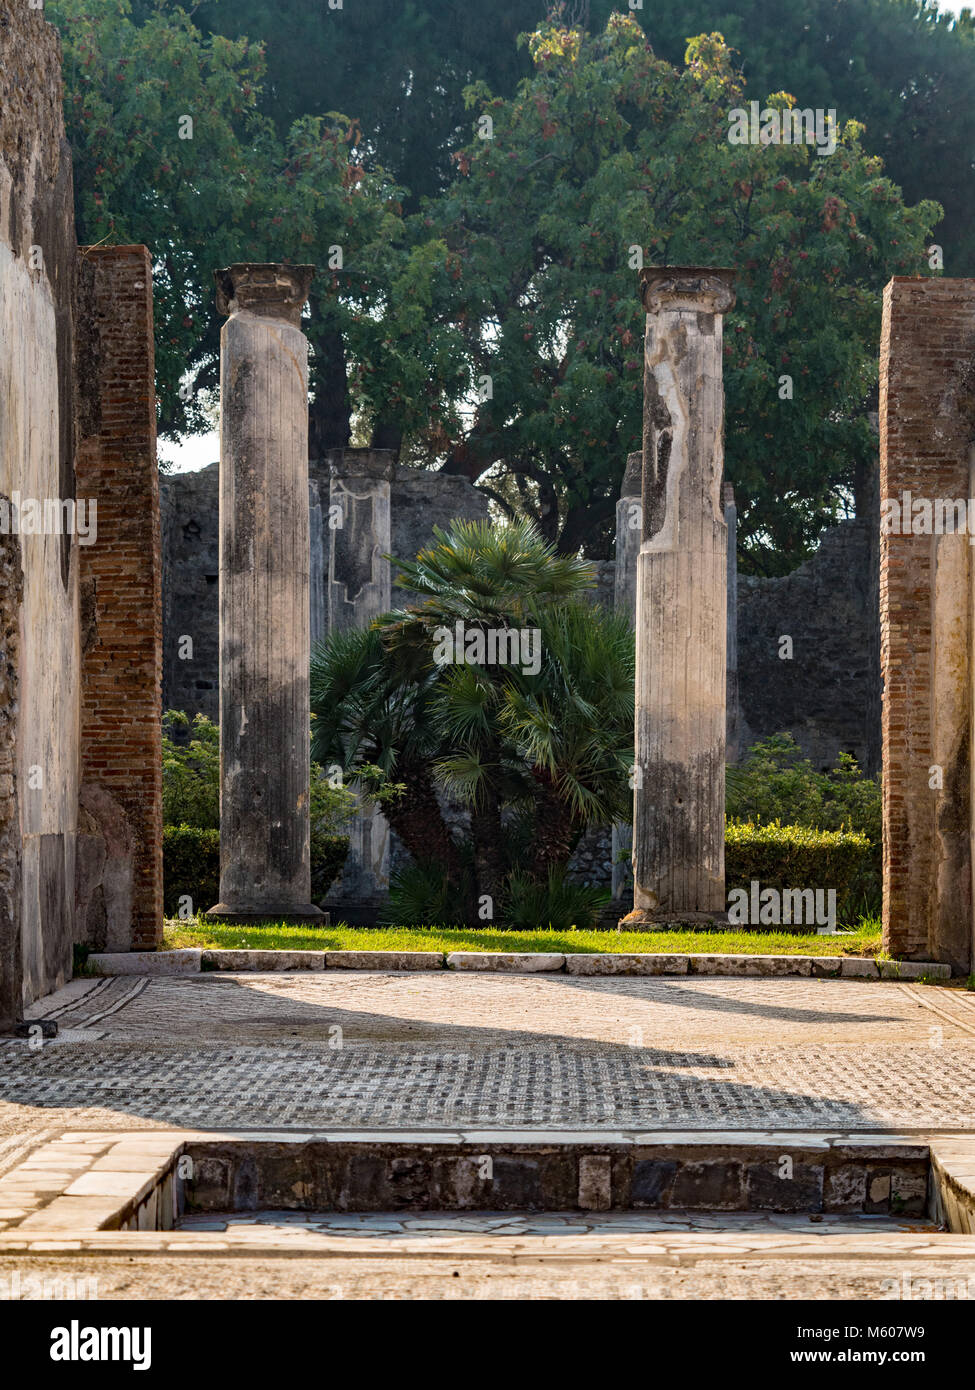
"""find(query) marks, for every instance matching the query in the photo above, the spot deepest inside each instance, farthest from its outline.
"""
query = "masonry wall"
(926, 430)
(121, 584)
(39, 582)
(190, 535)
(827, 695)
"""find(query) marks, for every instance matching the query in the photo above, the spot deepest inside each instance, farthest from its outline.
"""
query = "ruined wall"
(927, 393)
(37, 267)
(190, 537)
(827, 695)
(120, 883)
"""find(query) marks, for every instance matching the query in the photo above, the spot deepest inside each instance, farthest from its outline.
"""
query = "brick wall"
(926, 357)
(121, 726)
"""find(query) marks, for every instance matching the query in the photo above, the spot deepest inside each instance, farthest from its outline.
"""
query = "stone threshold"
(194, 961)
(103, 1186)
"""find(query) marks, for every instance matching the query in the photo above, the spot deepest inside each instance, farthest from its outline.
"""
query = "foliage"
(328, 854)
(535, 756)
(191, 868)
(606, 149)
(518, 267)
(796, 856)
(556, 904)
(191, 779)
(775, 782)
(191, 771)
(421, 892)
(904, 69)
(242, 190)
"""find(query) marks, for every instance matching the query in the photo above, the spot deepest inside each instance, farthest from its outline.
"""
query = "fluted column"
(629, 532)
(360, 589)
(681, 623)
(265, 749)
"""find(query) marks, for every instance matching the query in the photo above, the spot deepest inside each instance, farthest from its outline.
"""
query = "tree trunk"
(418, 821)
(489, 858)
(555, 829)
(330, 413)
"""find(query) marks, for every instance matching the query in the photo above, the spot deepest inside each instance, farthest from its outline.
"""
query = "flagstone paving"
(422, 1051)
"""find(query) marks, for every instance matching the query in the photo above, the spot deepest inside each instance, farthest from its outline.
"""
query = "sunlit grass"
(864, 941)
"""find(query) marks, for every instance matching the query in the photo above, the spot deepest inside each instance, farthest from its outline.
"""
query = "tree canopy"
(477, 208)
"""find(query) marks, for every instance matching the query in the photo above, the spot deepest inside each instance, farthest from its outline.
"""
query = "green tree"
(535, 751)
(607, 151)
(171, 150)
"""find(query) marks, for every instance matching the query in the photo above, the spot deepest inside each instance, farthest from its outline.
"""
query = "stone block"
(768, 1189)
(595, 1182)
(625, 963)
(913, 970)
(263, 961)
(184, 962)
(731, 965)
(383, 960)
(715, 1185)
(845, 1188)
(859, 968)
(505, 962)
(651, 1182)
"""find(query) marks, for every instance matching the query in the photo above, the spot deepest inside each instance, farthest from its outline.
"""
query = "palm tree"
(550, 747)
(371, 708)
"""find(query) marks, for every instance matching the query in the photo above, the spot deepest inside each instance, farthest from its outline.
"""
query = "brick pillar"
(927, 355)
(120, 573)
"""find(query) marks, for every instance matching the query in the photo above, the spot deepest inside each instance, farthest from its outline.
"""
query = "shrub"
(555, 905)
(191, 772)
(776, 783)
(797, 856)
(420, 894)
(191, 867)
(328, 853)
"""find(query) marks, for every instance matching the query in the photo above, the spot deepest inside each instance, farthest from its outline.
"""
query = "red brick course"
(926, 353)
(121, 719)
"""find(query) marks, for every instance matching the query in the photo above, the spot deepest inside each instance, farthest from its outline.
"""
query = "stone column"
(265, 738)
(359, 589)
(629, 532)
(678, 833)
(731, 521)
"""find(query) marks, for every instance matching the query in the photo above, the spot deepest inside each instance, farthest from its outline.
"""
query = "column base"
(659, 918)
(308, 914)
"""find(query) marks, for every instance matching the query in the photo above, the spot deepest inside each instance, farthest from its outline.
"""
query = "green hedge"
(796, 856)
(327, 857)
(191, 865)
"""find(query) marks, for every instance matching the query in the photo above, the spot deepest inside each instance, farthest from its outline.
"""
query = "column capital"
(633, 477)
(704, 289)
(272, 291)
(362, 463)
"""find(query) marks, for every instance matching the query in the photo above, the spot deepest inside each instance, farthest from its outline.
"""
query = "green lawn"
(865, 940)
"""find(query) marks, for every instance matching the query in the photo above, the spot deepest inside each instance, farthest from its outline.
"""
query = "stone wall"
(827, 694)
(927, 425)
(120, 889)
(190, 536)
(39, 622)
